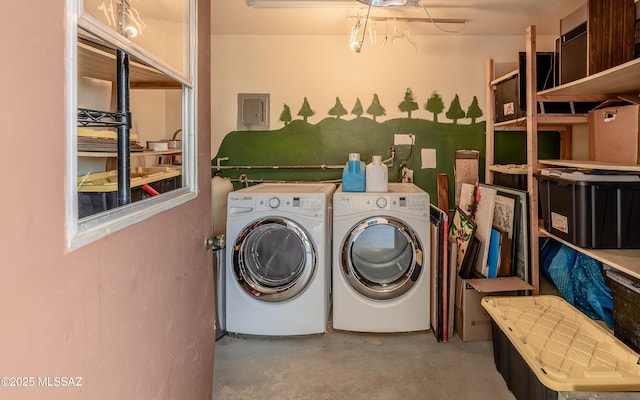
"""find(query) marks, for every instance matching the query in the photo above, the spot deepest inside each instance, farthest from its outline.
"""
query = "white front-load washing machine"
(381, 270)
(279, 259)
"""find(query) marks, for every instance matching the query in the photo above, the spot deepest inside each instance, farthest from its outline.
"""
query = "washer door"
(382, 258)
(274, 259)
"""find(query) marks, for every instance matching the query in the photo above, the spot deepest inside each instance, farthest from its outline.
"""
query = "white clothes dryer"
(279, 259)
(381, 270)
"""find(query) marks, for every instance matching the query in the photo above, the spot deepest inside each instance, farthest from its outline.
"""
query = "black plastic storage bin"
(90, 203)
(510, 175)
(626, 307)
(544, 346)
(514, 181)
(591, 210)
(97, 192)
(520, 380)
(167, 185)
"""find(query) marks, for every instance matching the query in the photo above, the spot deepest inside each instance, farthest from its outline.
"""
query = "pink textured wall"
(131, 314)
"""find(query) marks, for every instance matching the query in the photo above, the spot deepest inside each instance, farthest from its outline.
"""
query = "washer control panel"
(413, 203)
(274, 202)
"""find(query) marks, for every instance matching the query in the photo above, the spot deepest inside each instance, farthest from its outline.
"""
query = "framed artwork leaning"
(478, 202)
(461, 231)
(520, 258)
(506, 217)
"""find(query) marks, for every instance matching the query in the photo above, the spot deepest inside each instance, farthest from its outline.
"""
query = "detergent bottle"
(353, 175)
(377, 175)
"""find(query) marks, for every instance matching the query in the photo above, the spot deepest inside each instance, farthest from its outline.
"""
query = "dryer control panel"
(307, 205)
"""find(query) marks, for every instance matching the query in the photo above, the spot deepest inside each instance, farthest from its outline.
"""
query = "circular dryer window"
(273, 259)
(382, 258)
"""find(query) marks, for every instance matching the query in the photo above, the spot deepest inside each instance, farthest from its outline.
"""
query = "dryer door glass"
(275, 256)
(382, 258)
(274, 259)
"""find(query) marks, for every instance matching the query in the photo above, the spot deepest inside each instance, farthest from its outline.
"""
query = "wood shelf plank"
(518, 124)
(99, 62)
(511, 169)
(627, 261)
(101, 154)
(546, 122)
(621, 79)
(592, 165)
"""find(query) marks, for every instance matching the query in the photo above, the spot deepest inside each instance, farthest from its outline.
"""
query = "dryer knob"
(381, 202)
(274, 202)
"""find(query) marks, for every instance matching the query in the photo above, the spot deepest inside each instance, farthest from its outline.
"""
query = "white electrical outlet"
(410, 176)
(407, 175)
(404, 138)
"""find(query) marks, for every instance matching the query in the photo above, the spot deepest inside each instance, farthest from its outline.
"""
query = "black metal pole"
(124, 163)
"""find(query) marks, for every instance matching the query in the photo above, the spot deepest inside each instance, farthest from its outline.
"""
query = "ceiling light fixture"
(384, 3)
(356, 44)
(122, 14)
(330, 3)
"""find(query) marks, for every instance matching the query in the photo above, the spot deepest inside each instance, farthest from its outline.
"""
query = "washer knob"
(381, 202)
(274, 202)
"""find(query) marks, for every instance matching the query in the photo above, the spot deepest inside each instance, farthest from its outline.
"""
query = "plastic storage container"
(593, 211)
(543, 345)
(377, 176)
(510, 175)
(626, 307)
(354, 174)
(220, 189)
(98, 192)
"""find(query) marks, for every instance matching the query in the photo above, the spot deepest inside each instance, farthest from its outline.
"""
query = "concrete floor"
(354, 366)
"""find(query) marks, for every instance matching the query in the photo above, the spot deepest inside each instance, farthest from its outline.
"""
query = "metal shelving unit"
(100, 119)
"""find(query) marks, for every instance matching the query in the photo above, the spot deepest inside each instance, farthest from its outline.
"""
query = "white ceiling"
(485, 17)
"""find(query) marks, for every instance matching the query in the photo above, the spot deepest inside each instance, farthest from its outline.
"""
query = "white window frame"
(81, 231)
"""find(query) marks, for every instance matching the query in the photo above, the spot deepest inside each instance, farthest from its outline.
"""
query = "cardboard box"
(614, 131)
(472, 322)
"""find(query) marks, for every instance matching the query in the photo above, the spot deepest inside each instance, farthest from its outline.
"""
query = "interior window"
(131, 111)
(161, 28)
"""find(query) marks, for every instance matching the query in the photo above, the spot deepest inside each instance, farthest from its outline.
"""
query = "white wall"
(166, 40)
(580, 142)
(147, 108)
(323, 67)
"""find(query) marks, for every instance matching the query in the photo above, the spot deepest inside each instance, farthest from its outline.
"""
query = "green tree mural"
(338, 110)
(285, 116)
(455, 112)
(357, 108)
(376, 109)
(474, 110)
(306, 111)
(434, 105)
(408, 104)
